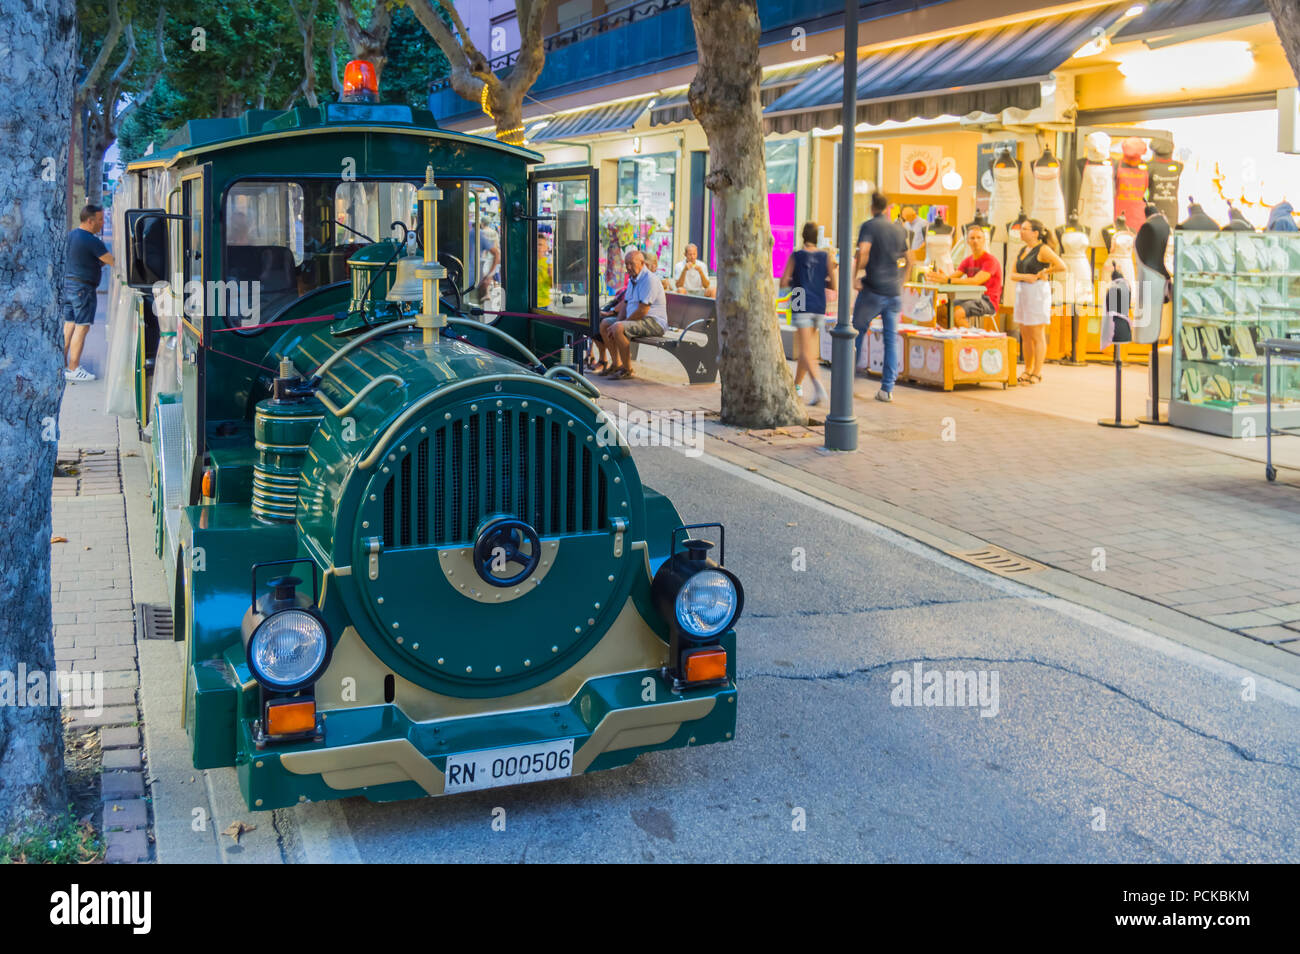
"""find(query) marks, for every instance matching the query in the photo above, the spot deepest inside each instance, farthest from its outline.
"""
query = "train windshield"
(295, 236)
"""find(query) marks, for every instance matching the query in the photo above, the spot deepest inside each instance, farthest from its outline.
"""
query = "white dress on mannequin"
(938, 251)
(1097, 198)
(1121, 259)
(1005, 202)
(1078, 274)
(1049, 200)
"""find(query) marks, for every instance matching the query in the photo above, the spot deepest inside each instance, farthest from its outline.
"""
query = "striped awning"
(985, 71)
(1204, 17)
(676, 108)
(617, 117)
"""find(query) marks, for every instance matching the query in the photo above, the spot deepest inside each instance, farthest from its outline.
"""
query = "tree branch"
(105, 51)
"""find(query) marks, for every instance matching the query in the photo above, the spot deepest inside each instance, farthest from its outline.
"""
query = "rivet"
(528, 662)
(498, 596)
(394, 456)
(441, 660)
(618, 480)
(498, 668)
(611, 578)
(258, 803)
(577, 629)
(473, 407)
(373, 497)
(590, 437)
(624, 504)
(523, 404)
(260, 763)
(692, 741)
(570, 422)
(464, 427)
(548, 410)
(302, 798)
(402, 448)
(395, 625)
(728, 735)
(424, 430)
(469, 668)
(415, 645)
(399, 640)
(499, 403)
(604, 457)
(591, 622)
(447, 416)
(546, 563)
(451, 572)
(365, 524)
(385, 470)
(731, 698)
(462, 586)
(555, 649)
(597, 605)
(380, 600)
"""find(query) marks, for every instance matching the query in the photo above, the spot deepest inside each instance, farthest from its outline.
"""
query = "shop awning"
(1205, 17)
(986, 71)
(777, 81)
(617, 117)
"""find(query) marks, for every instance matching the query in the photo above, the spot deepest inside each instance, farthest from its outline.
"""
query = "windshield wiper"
(355, 232)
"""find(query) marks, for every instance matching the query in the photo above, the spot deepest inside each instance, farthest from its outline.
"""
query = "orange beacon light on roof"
(360, 84)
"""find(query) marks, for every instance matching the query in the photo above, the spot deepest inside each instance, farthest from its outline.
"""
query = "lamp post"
(841, 423)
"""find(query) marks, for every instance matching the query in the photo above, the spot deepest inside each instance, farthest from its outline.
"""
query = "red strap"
(277, 324)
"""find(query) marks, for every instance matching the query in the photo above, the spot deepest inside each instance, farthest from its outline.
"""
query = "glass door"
(564, 273)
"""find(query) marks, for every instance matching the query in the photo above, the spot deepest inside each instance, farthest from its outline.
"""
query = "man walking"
(84, 257)
(882, 251)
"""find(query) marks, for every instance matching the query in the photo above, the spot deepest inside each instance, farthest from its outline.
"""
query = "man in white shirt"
(642, 313)
(691, 276)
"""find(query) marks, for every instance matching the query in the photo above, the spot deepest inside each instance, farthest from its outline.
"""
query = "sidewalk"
(1176, 519)
(94, 615)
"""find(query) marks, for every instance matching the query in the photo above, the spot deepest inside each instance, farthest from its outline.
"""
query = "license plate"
(491, 768)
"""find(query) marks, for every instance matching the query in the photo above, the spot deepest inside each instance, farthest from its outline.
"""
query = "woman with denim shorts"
(808, 274)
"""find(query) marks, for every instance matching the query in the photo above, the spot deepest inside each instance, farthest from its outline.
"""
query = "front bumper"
(377, 752)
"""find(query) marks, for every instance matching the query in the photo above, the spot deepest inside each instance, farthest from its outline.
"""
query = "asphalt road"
(1108, 744)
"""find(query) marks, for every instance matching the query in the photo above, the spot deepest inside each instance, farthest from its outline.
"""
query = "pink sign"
(781, 215)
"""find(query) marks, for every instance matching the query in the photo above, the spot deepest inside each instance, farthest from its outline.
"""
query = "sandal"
(1025, 379)
(609, 372)
(622, 374)
(598, 366)
(1035, 378)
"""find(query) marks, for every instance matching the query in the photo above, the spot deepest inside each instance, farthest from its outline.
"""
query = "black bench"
(691, 338)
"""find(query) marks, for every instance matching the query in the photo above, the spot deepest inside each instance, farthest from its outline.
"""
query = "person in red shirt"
(977, 268)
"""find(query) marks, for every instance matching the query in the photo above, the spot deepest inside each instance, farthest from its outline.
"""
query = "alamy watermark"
(663, 428)
(228, 299)
(38, 687)
(951, 688)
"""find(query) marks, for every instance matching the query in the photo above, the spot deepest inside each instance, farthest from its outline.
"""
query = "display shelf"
(1233, 291)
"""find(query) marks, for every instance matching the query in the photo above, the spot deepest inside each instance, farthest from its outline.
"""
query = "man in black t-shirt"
(882, 252)
(84, 258)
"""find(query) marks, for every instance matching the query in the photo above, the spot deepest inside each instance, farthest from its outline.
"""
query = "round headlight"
(288, 650)
(706, 603)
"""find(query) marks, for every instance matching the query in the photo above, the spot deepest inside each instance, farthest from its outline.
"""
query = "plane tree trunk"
(757, 386)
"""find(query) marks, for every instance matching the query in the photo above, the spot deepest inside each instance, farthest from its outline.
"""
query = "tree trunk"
(35, 115)
(757, 387)
(1286, 16)
(368, 43)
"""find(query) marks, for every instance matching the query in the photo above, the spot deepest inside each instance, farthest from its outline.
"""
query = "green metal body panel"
(470, 433)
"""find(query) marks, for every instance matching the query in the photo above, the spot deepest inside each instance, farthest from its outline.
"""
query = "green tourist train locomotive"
(409, 553)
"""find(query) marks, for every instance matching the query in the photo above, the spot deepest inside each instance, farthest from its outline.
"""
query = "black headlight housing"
(695, 657)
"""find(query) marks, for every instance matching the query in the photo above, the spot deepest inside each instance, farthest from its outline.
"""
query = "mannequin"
(1078, 270)
(1049, 201)
(1006, 190)
(1163, 172)
(1154, 288)
(1131, 182)
(1197, 220)
(1097, 190)
(1119, 241)
(981, 220)
(1236, 221)
(938, 244)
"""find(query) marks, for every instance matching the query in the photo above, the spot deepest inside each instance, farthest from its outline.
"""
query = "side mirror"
(146, 247)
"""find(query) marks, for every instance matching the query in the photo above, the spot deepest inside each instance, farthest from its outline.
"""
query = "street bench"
(691, 338)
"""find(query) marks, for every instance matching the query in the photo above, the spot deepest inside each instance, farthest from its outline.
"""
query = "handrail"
(347, 408)
(359, 339)
(510, 339)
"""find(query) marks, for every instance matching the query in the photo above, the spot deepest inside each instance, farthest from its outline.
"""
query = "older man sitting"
(692, 278)
(642, 313)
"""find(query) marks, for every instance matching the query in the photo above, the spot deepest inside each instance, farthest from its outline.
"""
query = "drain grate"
(154, 621)
(1000, 561)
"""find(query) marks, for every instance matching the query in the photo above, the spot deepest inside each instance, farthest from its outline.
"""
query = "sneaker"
(798, 390)
(885, 396)
(819, 394)
(78, 375)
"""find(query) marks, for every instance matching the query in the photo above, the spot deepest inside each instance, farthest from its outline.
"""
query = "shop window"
(563, 249)
(648, 184)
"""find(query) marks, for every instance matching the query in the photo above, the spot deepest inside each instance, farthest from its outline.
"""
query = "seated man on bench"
(643, 313)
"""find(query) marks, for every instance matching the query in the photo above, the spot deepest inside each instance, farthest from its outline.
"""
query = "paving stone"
(126, 847)
(125, 814)
(119, 736)
(1271, 634)
(121, 759)
(122, 785)
(112, 715)
(1286, 614)
(121, 679)
(119, 697)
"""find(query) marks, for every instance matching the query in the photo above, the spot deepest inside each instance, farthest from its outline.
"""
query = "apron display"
(1097, 198)
(1004, 205)
(1078, 272)
(1049, 200)
(1130, 193)
(938, 251)
(1121, 258)
(1163, 177)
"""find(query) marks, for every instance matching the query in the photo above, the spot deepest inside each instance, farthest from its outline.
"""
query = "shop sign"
(920, 168)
